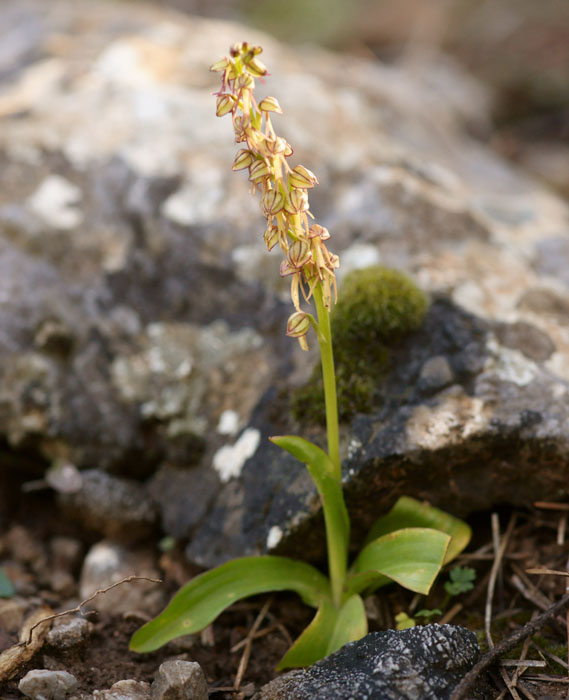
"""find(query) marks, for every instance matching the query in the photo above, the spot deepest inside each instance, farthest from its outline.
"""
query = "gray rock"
(116, 508)
(40, 684)
(124, 690)
(423, 663)
(179, 680)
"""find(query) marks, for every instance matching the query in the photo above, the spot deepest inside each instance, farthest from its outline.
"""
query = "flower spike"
(284, 190)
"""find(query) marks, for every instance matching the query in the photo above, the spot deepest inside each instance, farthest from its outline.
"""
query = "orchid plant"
(413, 541)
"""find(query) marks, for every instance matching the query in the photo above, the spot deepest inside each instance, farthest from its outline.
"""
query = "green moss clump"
(376, 307)
(377, 304)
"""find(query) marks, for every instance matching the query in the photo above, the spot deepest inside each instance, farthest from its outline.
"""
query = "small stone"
(124, 690)
(436, 373)
(69, 632)
(179, 680)
(41, 684)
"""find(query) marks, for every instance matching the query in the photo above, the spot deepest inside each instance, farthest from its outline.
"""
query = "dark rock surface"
(423, 663)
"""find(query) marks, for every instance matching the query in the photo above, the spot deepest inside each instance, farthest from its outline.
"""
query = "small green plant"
(377, 306)
(409, 544)
(461, 580)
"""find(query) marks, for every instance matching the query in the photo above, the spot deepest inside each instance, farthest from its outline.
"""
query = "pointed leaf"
(330, 629)
(412, 557)
(203, 598)
(408, 512)
(337, 521)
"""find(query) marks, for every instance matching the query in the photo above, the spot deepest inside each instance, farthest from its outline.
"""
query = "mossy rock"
(376, 307)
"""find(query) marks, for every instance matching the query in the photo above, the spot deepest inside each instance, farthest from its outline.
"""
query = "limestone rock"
(420, 662)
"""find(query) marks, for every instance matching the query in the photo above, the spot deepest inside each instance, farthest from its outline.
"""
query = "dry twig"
(507, 645)
(77, 609)
(249, 643)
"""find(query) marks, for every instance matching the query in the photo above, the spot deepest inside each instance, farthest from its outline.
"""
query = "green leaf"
(408, 512)
(330, 629)
(412, 557)
(461, 580)
(321, 469)
(6, 587)
(203, 598)
(336, 519)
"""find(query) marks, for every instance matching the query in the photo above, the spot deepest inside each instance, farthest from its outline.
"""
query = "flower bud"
(243, 159)
(299, 254)
(219, 65)
(256, 67)
(317, 231)
(302, 177)
(225, 104)
(245, 82)
(239, 126)
(237, 48)
(270, 104)
(271, 203)
(274, 146)
(296, 202)
(258, 171)
(298, 324)
(271, 237)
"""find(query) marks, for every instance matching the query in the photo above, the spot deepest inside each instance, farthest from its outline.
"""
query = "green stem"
(329, 378)
(337, 547)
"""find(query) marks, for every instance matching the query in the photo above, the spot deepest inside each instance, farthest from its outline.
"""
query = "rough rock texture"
(179, 680)
(40, 684)
(138, 304)
(421, 662)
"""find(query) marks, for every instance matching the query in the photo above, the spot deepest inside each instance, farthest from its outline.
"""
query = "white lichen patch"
(274, 537)
(55, 203)
(457, 417)
(228, 423)
(510, 365)
(229, 460)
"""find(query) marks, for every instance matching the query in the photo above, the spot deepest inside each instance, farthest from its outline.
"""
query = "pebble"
(69, 632)
(436, 373)
(179, 680)
(124, 690)
(40, 684)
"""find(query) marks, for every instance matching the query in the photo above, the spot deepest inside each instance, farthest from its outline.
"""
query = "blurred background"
(519, 49)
